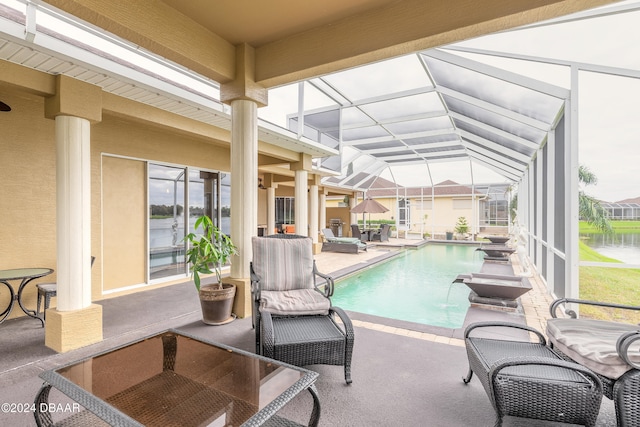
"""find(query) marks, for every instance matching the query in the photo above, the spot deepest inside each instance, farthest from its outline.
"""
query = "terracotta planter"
(217, 304)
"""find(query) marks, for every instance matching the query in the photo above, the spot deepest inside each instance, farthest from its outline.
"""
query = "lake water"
(163, 236)
(624, 247)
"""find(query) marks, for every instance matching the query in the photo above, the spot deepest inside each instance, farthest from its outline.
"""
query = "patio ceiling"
(433, 106)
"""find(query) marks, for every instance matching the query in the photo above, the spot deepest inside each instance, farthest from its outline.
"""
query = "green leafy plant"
(462, 227)
(212, 249)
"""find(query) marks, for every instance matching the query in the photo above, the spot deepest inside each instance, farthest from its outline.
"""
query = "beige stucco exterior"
(128, 136)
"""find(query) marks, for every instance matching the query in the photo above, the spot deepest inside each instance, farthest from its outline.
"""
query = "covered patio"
(404, 373)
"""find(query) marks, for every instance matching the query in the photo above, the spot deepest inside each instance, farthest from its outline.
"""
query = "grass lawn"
(608, 284)
(619, 226)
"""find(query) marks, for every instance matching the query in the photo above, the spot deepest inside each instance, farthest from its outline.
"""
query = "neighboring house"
(627, 209)
(435, 210)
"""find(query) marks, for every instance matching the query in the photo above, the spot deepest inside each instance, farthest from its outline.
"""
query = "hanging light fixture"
(4, 107)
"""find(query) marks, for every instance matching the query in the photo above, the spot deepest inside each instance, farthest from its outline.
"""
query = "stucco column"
(302, 169)
(323, 210)
(301, 206)
(244, 175)
(271, 203)
(245, 96)
(271, 210)
(75, 322)
(353, 201)
(313, 213)
(73, 212)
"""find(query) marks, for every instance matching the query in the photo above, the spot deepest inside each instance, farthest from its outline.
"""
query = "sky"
(609, 108)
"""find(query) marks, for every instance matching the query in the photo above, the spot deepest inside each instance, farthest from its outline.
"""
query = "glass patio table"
(25, 275)
(174, 379)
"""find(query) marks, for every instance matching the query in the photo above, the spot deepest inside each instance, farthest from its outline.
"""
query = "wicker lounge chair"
(530, 380)
(610, 349)
(293, 317)
(341, 244)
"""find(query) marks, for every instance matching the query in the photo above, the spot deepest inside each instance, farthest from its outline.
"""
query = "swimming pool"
(414, 286)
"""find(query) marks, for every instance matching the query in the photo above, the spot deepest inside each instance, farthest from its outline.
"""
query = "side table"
(25, 275)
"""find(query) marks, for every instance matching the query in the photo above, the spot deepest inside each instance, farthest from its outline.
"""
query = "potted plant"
(449, 235)
(211, 250)
(462, 227)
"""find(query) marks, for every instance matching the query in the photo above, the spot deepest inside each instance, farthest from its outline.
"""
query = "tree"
(590, 208)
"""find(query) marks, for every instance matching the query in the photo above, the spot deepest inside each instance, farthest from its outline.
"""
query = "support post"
(75, 322)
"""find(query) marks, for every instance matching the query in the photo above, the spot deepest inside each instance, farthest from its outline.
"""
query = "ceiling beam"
(157, 27)
(399, 28)
(500, 149)
(496, 168)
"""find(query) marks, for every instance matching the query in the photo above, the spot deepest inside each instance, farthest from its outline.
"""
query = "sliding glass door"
(166, 221)
(204, 193)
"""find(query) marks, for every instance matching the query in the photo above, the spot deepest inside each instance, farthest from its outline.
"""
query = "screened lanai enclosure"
(435, 121)
(442, 119)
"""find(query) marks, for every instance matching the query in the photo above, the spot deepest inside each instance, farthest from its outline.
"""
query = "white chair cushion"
(591, 343)
(295, 302)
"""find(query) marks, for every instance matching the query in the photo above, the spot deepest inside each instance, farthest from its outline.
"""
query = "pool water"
(415, 286)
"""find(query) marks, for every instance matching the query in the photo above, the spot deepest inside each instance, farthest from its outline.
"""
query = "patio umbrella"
(369, 206)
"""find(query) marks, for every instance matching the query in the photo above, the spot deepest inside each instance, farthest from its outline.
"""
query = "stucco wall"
(28, 190)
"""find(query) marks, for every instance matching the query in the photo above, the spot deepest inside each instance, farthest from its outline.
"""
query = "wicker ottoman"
(530, 380)
(308, 340)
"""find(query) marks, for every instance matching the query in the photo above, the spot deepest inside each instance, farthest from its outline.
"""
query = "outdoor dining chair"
(293, 318)
(382, 235)
(48, 291)
(355, 232)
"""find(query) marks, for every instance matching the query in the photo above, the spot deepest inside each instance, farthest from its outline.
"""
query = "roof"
(441, 107)
(635, 200)
(443, 189)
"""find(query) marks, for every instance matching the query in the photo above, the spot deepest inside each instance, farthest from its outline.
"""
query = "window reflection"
(166, 221)
(208, 193)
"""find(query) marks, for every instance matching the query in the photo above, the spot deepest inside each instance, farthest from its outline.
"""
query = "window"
(404, 213)
(494, 213)
(461, 204)
(166, 221)
(285, 210)
(204, 193)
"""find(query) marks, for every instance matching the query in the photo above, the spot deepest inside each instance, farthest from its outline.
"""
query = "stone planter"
(217, 304)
